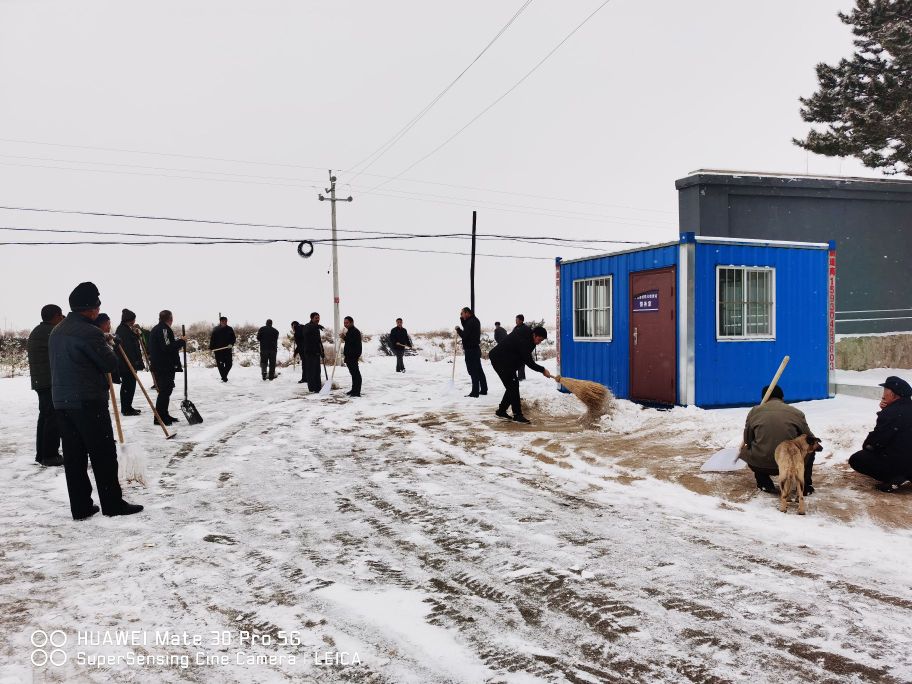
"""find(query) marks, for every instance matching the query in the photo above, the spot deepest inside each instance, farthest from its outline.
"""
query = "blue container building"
(700, 322)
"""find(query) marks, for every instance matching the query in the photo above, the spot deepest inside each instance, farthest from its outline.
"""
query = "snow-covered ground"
(411, 536)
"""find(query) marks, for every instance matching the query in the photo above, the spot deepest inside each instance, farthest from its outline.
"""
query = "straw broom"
(595, 396)
(131, 462)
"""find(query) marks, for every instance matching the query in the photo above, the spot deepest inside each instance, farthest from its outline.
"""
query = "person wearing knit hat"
(128, 337)
(80, 357)
(103, 321)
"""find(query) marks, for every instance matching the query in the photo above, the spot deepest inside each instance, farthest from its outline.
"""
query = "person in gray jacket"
(80, 357)
(47, 438)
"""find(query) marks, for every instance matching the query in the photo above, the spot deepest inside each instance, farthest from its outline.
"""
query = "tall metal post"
(335, 256)
(472, 266)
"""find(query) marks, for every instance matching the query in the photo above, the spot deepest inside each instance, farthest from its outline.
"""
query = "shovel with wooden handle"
(145, 352)
(145, 394)
(189, 410)
(727, 459)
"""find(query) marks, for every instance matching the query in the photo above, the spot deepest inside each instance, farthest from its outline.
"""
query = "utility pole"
(472, 266)
(335, 254)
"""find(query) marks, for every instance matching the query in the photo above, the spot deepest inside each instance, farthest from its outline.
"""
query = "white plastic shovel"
(727, 460)
(451, 385)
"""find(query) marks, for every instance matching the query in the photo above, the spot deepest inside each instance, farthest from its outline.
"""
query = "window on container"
(592, 308)
(746, 303)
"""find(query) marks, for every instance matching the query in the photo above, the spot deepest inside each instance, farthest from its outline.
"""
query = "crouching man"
(80, 357)
(767, 426)
(886, 454)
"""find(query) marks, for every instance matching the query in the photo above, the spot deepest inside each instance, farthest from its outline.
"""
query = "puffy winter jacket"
(38, 356)
(164, 350)
(268, 337)
(516, 350)
(80, 357)
(471, 333)
(129, 342)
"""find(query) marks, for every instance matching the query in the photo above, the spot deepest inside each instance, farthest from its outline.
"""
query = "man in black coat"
(351, 352)
(47, 437)
(508, 357)
(164, 357)
(886, 454)
(268, 337)
(499, 333)
(297, 333)
(223, 336)
(398, 341)
(128, 339)
(471, 347)
(80, 357)
(311, 350)
(521, 323)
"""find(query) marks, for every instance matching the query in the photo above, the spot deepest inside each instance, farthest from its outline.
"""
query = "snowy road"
(437, 543)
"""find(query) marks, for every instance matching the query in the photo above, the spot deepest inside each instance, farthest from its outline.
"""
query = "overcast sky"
(589, 146)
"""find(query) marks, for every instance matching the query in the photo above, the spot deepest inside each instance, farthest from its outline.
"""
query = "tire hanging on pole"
(307, 251)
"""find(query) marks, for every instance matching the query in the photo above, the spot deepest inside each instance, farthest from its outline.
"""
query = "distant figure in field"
(766, 427)
(268, 337)
(351, 352)
(223, 336)
(500, 333)
(887, 451)
(507, 358)
(471, 347)
(47, 437)
(521, 323)
(399, 340)
(128, 335)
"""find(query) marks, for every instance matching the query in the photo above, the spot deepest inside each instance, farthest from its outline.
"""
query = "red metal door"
(653, 342)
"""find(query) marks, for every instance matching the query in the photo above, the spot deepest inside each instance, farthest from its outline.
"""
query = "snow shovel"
(190, 413)
(142, 344)
(727, 459)
(451, 385)
(145, 394)
(130, 463)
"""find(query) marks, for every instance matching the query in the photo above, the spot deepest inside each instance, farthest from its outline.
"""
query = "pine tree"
(865, 103)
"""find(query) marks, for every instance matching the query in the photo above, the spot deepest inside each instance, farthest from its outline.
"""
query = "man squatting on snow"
(886, 454)
(766, 427)
(508, 357)
(80, 358)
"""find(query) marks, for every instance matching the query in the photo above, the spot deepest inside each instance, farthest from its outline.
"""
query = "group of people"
(308, 345)
(885, 456)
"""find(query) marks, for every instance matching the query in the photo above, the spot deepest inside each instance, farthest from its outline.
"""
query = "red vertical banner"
(557, 320)
(831, 309)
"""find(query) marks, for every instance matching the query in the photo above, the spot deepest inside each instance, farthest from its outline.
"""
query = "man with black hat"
(351, 352)
(128, 338)
(311, 350)
(886, 454)
(268, 337)
(223, 336)
(80, 357)
(47, 438)
(471, 349)
(766, 427)
(508, 357)
(164, 358)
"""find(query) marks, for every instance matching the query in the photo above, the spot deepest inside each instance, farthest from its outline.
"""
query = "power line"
(388, 145)
(496, 101)
(245, 224)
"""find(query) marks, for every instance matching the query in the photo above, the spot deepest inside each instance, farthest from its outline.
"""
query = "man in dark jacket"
(164, 358)
(297, 333)
(886, 454)
(128, 338)
(508, 357)
(351, 352)
(268, 337)
(398, 341)
(223, 336)
(471, 348)
(80, 358)
(47, 438)
(766, 427)
(499, 333)
(521, 323)
(311, 349)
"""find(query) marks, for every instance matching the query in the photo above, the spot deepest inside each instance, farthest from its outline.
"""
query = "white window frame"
(746, 337)
(604, 338)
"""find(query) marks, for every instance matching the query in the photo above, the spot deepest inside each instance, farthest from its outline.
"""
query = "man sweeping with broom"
(508, 357)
